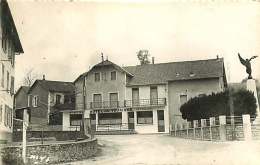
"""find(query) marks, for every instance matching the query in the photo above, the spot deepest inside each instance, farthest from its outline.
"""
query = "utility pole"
(25, 125)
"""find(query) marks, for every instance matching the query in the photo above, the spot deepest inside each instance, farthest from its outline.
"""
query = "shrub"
(218, 104)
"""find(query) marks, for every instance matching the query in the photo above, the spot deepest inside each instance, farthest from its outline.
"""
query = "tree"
(217, 104)
(143, 56)
(30, 77)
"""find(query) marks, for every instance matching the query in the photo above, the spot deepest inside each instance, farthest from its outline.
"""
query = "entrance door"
(97, 101)
(161, 127)
(131, 122)
(135, 96)
(113, 98)
(153, 96)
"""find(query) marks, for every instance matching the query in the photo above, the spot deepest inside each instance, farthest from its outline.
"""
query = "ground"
(167, 150)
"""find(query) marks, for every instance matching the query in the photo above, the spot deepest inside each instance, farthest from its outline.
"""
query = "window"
(35, 101)
(135, 96)
(113, 75)
(75, 119)
(97, 101)
(12, 85)
(145, 117)
(3, 76)
(104, 76)
(113, 97)
(58, 99)
(154, 95)
(4, 38)
(7, 81)
(183, 99)
(97, 77)
(1, 109)
(7, 115)
(11, 52)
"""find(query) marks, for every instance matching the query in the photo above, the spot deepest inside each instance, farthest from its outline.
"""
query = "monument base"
(251, 86)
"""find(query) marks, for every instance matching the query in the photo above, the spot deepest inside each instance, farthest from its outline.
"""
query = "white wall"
(65, 121)
(144, 92)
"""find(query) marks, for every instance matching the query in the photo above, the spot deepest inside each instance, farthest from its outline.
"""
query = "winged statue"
(247, 64)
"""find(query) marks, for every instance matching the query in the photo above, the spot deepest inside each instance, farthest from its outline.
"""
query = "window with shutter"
(7, 81)
(12, 85)
(3, 76)
(1, 109)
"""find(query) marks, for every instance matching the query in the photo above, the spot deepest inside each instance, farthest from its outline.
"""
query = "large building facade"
(10, 47)
(145, 98)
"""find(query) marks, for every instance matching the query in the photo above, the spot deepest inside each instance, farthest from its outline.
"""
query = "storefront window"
(145, 117)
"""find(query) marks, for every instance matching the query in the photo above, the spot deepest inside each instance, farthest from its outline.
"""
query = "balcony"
(128, 103)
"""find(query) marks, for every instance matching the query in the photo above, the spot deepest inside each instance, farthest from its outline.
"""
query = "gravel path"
(166, 150)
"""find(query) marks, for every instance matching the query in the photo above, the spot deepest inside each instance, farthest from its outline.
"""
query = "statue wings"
(253, 57)
(241, 59)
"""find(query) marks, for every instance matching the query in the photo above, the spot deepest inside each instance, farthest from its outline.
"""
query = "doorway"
(161, 126)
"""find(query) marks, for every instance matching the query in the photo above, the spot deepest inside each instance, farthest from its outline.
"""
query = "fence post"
(175, 129)
(247, 128)
(194, 128)
(222, 128)
(211, 123)
(187, 129)
(202, 125)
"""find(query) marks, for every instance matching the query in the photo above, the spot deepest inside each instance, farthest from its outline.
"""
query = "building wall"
(6, 99)
(144, 91)
(21, 99)
(104, 87)
(39, 113)
(79, 94)
(190, 88)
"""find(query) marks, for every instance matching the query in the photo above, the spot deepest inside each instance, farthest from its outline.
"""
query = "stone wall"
(59, 135)
(52, 153)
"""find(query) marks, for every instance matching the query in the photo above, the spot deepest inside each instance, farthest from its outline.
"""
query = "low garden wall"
(51, 153)
(59, 135)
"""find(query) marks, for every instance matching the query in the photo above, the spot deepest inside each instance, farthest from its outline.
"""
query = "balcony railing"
(128, 103)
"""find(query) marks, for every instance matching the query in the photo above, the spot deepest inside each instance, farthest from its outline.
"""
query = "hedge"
(218, 104)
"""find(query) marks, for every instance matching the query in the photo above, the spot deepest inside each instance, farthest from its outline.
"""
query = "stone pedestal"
(251, 86)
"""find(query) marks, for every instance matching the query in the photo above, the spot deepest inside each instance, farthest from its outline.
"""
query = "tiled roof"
(175, 71)
(56, 86)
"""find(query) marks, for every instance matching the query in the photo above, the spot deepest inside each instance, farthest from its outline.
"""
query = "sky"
(63, 39)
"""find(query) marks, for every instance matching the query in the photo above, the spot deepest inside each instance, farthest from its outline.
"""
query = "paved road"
(166, 150)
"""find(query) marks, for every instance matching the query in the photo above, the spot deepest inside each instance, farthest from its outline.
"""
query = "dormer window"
(113, 75)
(97, 77)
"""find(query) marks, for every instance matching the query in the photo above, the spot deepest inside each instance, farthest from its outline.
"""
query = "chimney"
(43, 77)
(152, 60)
(102, 57)
(217, 56)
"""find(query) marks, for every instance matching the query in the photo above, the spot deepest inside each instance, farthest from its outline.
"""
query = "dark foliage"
(217, 104)
(55, 118)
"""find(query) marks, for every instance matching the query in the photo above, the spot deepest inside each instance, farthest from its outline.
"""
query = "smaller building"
(46, 100)
(20, 101)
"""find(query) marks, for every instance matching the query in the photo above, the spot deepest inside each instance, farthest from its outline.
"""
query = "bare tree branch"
(30, 77)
